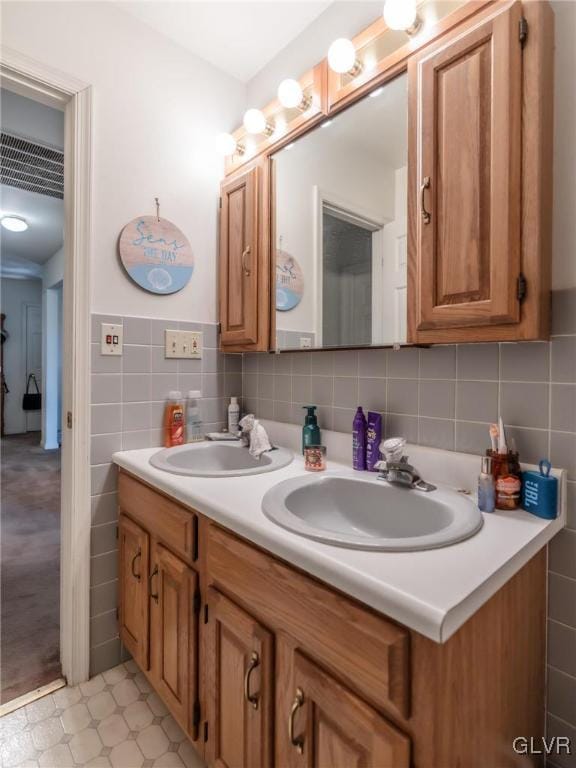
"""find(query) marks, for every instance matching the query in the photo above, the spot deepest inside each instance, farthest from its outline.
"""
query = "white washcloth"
(259, 442)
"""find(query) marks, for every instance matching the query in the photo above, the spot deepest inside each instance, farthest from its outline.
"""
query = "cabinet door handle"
(251, 698)
(426, 215)
(132, 566)
(296, 741)
(245, 267)
(153, 595)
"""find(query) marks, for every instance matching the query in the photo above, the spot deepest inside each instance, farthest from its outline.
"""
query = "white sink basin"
(361, 512)
(208, 459)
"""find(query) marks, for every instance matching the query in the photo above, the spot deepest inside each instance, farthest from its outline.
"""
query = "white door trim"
(362, 217)
(43, 83)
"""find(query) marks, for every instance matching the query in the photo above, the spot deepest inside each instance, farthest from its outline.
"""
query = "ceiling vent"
(31, 166)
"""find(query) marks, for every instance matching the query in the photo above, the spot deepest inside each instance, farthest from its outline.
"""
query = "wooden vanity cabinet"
(265, 666)
(133, 614)
(329, 725)
(240, 686)
(159, 599)
(173, 633)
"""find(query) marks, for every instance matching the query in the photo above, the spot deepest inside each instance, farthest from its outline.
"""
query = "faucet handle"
(393, 448)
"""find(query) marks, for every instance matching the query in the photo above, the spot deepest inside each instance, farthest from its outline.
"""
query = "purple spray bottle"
(359, 440)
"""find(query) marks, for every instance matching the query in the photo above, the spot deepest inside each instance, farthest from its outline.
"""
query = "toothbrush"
(494, 437)
(502, 447)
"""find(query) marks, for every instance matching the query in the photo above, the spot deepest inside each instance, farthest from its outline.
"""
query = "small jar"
(507, 479)
(315, 458)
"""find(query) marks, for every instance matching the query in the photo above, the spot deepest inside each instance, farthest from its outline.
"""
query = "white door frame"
(51, 87)
(368, 219)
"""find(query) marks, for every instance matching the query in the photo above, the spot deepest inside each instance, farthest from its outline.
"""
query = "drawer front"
(366, 650)
(170, 523)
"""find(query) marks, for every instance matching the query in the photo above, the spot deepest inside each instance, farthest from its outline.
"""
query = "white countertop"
(433, 592)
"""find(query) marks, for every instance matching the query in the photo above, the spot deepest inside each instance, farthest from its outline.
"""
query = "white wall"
(157, 109)
(341, 19)
(349, 174)
(15, 295)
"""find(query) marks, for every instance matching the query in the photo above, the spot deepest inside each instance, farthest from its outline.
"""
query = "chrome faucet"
(395, 468)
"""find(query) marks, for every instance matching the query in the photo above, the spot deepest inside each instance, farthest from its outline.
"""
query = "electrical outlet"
(305, 342)
(183, 344)
(111, 339)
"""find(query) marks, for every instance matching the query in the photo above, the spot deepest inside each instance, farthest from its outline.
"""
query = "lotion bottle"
(233, 416)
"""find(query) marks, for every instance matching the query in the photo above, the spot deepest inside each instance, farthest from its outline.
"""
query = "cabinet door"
(239, 260)
(328, 725)
(239, 691)
(174, 632)
(133, 585)
(465, 176)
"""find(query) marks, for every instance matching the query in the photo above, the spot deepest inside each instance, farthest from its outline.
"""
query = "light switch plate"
(185, 345)
(111, 339)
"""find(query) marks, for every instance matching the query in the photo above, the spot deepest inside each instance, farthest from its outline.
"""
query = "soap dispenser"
(310, 430)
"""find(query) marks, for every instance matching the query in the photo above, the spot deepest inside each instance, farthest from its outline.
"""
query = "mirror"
(341, 225)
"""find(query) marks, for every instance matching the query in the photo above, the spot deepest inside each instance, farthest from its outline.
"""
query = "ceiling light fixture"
(376, 93)
(291, 95)
(255, 122)
(402, 15)
(326, 123)
(14, 223)
(342, 58)
(227, 145)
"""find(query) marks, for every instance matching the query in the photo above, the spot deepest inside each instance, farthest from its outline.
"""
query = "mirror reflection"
(340, 222)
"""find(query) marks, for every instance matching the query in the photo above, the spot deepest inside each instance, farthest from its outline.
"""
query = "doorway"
(31, 279)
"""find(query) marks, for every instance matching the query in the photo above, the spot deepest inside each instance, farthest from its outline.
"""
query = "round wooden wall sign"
(289, 282)
(156, 254)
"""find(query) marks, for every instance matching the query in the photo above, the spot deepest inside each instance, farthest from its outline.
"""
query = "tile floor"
(115, 719)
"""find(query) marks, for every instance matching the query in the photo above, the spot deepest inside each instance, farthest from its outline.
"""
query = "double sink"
(347, 509)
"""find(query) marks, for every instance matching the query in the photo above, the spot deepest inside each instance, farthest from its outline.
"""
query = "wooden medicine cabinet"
(469, 237)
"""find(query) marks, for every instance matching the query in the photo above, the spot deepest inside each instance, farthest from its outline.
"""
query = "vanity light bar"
(342, 59)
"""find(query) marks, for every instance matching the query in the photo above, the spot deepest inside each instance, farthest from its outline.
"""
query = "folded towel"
(259, 442)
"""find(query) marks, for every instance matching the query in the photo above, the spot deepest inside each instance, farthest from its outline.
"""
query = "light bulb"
(254, 121)
(290, 93)
(14, 223)
(400, 14)
(225, 144)
(342, 56)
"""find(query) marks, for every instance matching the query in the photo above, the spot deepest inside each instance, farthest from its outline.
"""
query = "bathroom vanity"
(272, 649)
(435, 156)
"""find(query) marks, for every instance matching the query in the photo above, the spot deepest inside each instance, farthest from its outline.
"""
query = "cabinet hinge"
(196, 714)
(117, 532)
(219, 202)
(206, 613)
(523, 30)
(69, 419)
(521, 287)
(117, 613)
(197, 601)
(205, 731)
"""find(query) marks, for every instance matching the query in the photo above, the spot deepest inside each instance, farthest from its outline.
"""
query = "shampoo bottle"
(310, 430)
(359, 440)
(174, 420)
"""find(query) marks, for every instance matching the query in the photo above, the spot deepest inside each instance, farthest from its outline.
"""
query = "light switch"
(183, 344)
(111, 338)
